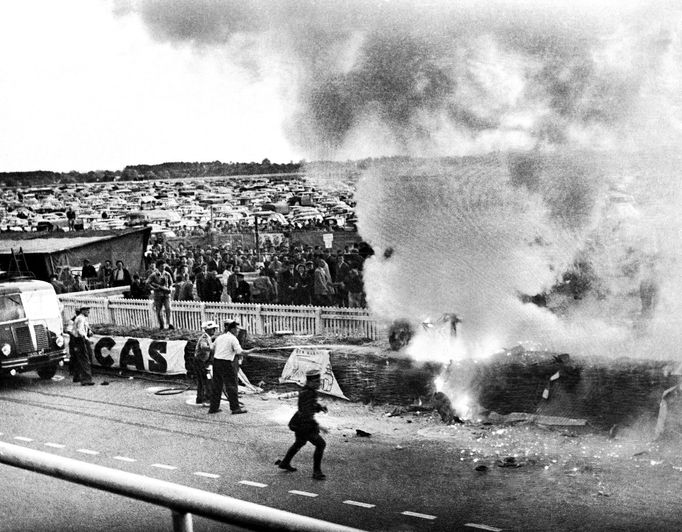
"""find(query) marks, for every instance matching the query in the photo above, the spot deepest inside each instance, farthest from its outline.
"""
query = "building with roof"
(47, 253)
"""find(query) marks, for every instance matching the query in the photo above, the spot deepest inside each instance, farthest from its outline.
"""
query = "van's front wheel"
(47, 372)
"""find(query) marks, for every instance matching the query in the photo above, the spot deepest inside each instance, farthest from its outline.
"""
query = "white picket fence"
(257, 319)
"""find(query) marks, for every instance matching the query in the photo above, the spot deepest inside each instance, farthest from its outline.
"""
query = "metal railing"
(183, 501)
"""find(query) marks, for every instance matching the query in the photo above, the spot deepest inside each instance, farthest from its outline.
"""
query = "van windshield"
(11, 308)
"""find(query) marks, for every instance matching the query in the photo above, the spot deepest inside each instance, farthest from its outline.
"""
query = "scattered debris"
(105, 383)
(483, 527)
(602, 493)
(640, 453)
(516, 417)
(399, 447)
(362, 433)
(397, 411)
(663, 411)
(509, 461)
(58, 378)
(481, 468)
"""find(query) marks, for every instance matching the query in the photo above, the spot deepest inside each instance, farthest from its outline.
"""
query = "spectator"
(323, 289)
(213, 288)
(262, 290)
(161, 282)
(200, 278)
(287, 284)
(355, 289)
(88, 272)
(104, 274)
(58, 286)
(342, 271)
(243, 290)
(120, 276)
(138, 288)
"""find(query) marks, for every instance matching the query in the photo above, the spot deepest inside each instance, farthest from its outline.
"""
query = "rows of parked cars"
(181, 204)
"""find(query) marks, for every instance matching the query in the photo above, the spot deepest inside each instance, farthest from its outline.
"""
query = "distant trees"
(141, 172)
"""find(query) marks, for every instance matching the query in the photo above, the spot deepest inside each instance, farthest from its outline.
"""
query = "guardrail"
(258, 319)
(183, 501)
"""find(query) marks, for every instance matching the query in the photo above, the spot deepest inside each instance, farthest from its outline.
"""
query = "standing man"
(306, 428)
(323, 289)
(82, 348)
(226, 351)
(161, 282)
(203, 359)
(104, 274)
(120, 276)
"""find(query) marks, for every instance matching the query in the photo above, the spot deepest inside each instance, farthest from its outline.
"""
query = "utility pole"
(255, 225)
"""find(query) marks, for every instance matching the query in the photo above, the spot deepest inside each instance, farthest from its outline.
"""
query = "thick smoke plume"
(566, 99)
(366, 78)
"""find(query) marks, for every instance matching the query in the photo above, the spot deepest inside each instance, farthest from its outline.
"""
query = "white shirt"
(226, 346)
(81, 327)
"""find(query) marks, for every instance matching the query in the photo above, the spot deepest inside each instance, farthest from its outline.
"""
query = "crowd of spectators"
(300, 275)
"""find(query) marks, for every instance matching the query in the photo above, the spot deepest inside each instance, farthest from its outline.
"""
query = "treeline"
(147, 172)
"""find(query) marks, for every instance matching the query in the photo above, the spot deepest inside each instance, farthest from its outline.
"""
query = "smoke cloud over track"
(365, 78)
(567, 99)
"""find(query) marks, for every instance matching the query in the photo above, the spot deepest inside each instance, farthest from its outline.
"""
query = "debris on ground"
(481, 468)
(362, 433)
(397, 411)
(509, 461)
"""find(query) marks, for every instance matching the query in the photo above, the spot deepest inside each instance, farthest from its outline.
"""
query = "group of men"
(216, 364)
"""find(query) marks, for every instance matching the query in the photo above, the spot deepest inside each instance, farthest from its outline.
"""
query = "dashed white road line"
(254, 484)
(55, 445)
(87, 451)
(360, 504)
(23, 438)
(421, 516)
(124, 459)
(304, 493)
(164, 466)
(483, 527)
(207, 475)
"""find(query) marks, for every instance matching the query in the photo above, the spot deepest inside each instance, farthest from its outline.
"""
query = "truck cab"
(30, 329)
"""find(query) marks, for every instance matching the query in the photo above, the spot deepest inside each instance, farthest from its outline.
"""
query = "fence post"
(107, 312)
(202, 312)
(260, 326)
(318, 320)
(151, 313)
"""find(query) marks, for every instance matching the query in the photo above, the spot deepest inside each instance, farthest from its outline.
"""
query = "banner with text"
(304, 359)
(141, 354)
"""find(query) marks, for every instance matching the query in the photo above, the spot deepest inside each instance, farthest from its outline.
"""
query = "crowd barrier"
(257, 319)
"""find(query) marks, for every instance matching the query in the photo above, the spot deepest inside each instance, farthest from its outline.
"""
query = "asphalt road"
(126, 426)
(412, 474)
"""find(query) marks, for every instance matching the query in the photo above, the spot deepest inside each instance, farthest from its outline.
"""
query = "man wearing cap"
(226, 351)
(203, 359)
(81, 349)
(306, 428)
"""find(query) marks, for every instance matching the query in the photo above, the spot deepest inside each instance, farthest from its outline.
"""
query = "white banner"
(142, 354)
(302, 360)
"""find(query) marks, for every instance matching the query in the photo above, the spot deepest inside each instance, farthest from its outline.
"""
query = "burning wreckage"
(527, 384)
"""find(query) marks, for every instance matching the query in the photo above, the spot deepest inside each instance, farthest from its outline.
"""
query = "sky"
(84, 88)
(100, 84)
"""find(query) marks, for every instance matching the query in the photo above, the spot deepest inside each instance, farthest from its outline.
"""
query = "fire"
(463, 404)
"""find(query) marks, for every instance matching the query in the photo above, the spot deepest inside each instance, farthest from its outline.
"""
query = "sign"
(328, 240)
(304, 359)
(141, 354)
